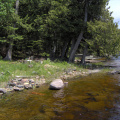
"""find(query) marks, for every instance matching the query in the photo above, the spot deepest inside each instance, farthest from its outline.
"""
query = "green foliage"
(105, 35)
(105, 38)
(41, 25)
(6, 9)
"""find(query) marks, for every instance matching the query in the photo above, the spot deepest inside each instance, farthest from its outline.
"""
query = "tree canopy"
(56, 28)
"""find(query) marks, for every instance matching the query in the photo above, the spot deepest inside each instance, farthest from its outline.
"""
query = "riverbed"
(93, 97)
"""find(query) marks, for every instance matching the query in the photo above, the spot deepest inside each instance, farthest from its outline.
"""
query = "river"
(93, 97)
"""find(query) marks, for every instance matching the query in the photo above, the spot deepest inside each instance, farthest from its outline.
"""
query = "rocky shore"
(22, 82)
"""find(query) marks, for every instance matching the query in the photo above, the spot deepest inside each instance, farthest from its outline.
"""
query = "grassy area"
(48, 69)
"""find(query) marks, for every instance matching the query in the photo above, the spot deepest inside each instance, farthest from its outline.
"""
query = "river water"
(93, 97)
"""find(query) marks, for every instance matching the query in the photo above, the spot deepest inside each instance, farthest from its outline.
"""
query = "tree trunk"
(72, 46)
(71, 58)
(66, 52)
(80, 36)
(65, 49)
(9, 52)
(53, 51)
(17, 7)
(84, 54)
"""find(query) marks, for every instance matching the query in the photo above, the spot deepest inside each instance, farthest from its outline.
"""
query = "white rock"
(56, 84)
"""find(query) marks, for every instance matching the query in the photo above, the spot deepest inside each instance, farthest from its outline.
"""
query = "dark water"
(95, 97)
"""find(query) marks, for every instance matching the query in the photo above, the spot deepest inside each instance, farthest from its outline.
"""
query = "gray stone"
(20, 86)
(14, 80)
(31, 81)
(19, 79)
(18, 89)
(19, 83)
(10, 89)
(12, 84)
(3, 90)
(56, 84)
(29, 86)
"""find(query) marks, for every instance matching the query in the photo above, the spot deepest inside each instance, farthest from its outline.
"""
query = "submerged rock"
(56, 84)
(59, 94)
(66, 84)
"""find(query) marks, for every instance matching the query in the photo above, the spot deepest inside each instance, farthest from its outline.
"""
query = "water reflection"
(59, 94)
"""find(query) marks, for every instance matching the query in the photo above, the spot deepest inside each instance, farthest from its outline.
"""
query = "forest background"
(57, 29)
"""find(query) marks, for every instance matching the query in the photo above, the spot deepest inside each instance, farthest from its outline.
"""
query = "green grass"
(48, 69)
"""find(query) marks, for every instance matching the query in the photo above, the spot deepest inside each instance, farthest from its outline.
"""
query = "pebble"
(20, 84)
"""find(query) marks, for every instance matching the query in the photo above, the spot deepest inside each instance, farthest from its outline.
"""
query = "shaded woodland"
(57, 29)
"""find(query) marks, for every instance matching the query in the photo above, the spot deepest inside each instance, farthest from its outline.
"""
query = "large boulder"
(56, 84)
